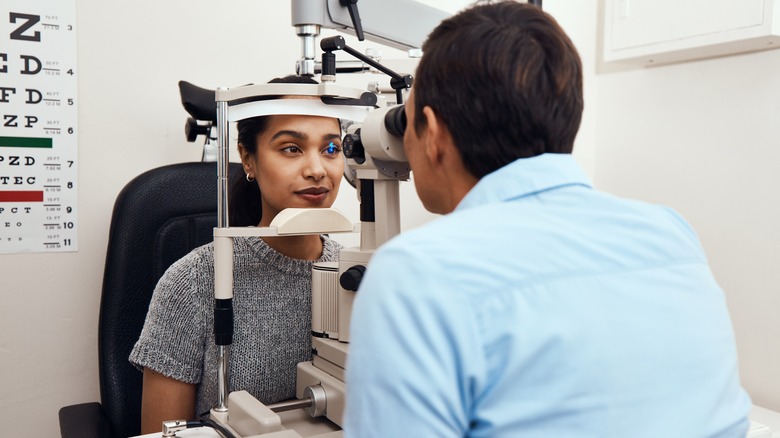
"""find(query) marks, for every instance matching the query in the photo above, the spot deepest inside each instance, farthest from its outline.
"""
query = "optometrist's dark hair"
(505, 80)
(245, 205)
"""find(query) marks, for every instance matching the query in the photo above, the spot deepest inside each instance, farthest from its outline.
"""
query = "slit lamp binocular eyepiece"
(391, 129)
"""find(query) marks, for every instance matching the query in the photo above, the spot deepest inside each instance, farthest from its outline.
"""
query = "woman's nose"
(314, 168)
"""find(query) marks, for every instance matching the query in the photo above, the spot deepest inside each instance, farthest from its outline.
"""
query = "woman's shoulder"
(185, 271)
(187, 282)
(195, 259)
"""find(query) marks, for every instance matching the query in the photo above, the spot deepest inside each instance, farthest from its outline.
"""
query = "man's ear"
(437, 139)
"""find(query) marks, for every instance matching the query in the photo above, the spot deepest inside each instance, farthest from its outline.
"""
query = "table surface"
(757, 414)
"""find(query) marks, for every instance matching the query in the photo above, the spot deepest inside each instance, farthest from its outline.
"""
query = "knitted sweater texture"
(272, 311)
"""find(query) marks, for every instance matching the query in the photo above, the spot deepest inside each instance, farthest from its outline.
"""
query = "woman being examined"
(288, 161)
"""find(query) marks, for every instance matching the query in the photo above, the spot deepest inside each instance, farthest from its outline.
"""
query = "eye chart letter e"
(38, 131)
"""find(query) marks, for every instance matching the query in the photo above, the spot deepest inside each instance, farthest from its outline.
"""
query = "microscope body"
(380, 21)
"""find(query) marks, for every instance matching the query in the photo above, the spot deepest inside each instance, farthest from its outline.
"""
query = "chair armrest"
(86, 420)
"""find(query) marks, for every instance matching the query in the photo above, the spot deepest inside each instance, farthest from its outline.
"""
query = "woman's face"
(298, 163)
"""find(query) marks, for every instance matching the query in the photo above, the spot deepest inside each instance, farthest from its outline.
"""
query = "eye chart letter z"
(38, 132)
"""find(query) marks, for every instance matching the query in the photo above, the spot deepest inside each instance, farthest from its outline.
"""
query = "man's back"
(592, 316)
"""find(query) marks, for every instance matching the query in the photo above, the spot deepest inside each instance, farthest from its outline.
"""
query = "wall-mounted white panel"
(652, 32)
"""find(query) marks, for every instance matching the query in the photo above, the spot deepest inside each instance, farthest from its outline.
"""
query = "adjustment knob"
(192, 130)
(353, 147)
(351, 278)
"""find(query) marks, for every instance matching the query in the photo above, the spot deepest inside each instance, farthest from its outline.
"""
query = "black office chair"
(158, 217)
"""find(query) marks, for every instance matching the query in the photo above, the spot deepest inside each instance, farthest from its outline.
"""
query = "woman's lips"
(313, 194)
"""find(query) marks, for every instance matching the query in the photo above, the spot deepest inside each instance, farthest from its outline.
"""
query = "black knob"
(332, 43)
(192, 129)
(353, 147)
(329, 64)
(351, 278)
(405, 81)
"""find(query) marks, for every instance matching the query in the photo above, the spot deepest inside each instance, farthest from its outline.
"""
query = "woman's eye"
(332, 149)
(291, 149)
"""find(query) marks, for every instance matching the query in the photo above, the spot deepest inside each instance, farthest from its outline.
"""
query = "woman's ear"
(246, 160)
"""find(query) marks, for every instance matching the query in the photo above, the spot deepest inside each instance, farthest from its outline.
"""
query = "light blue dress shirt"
(543, 308)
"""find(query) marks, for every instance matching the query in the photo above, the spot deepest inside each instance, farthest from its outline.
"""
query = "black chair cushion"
(158, 217)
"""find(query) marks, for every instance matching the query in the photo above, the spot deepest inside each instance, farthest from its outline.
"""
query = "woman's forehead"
(303, 123)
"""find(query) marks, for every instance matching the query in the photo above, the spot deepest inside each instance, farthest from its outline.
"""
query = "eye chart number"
(38, 129)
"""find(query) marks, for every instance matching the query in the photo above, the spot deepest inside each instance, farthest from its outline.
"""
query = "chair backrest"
(158, 217)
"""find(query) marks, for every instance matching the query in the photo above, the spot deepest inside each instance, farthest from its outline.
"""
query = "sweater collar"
(272, 258)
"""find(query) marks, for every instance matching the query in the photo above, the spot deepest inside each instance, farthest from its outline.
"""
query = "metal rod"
(223, 351)
(371, 62)
(223, 162)
(308, 34)
(289, 405)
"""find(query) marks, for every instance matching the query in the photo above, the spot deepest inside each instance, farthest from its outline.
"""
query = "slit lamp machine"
(376, 163)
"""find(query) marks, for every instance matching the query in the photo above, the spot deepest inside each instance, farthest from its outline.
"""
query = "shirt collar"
(526, 176)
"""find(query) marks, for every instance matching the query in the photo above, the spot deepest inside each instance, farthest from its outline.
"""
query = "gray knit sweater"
(272, 305)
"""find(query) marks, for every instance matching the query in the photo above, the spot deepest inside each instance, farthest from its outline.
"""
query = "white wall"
(131, 56)
(701, 137)
(704, 138)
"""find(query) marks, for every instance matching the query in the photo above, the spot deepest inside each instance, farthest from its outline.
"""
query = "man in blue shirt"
(537, 306)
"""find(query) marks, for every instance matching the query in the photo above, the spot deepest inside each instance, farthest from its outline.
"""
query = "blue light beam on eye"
(332, 148)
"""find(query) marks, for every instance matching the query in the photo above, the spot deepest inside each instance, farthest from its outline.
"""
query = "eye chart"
(38, 131)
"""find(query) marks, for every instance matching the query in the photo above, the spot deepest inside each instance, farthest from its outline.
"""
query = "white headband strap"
(307, 107)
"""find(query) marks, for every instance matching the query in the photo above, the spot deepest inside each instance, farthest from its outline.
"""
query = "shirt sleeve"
(172, 341)
(414, 357)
